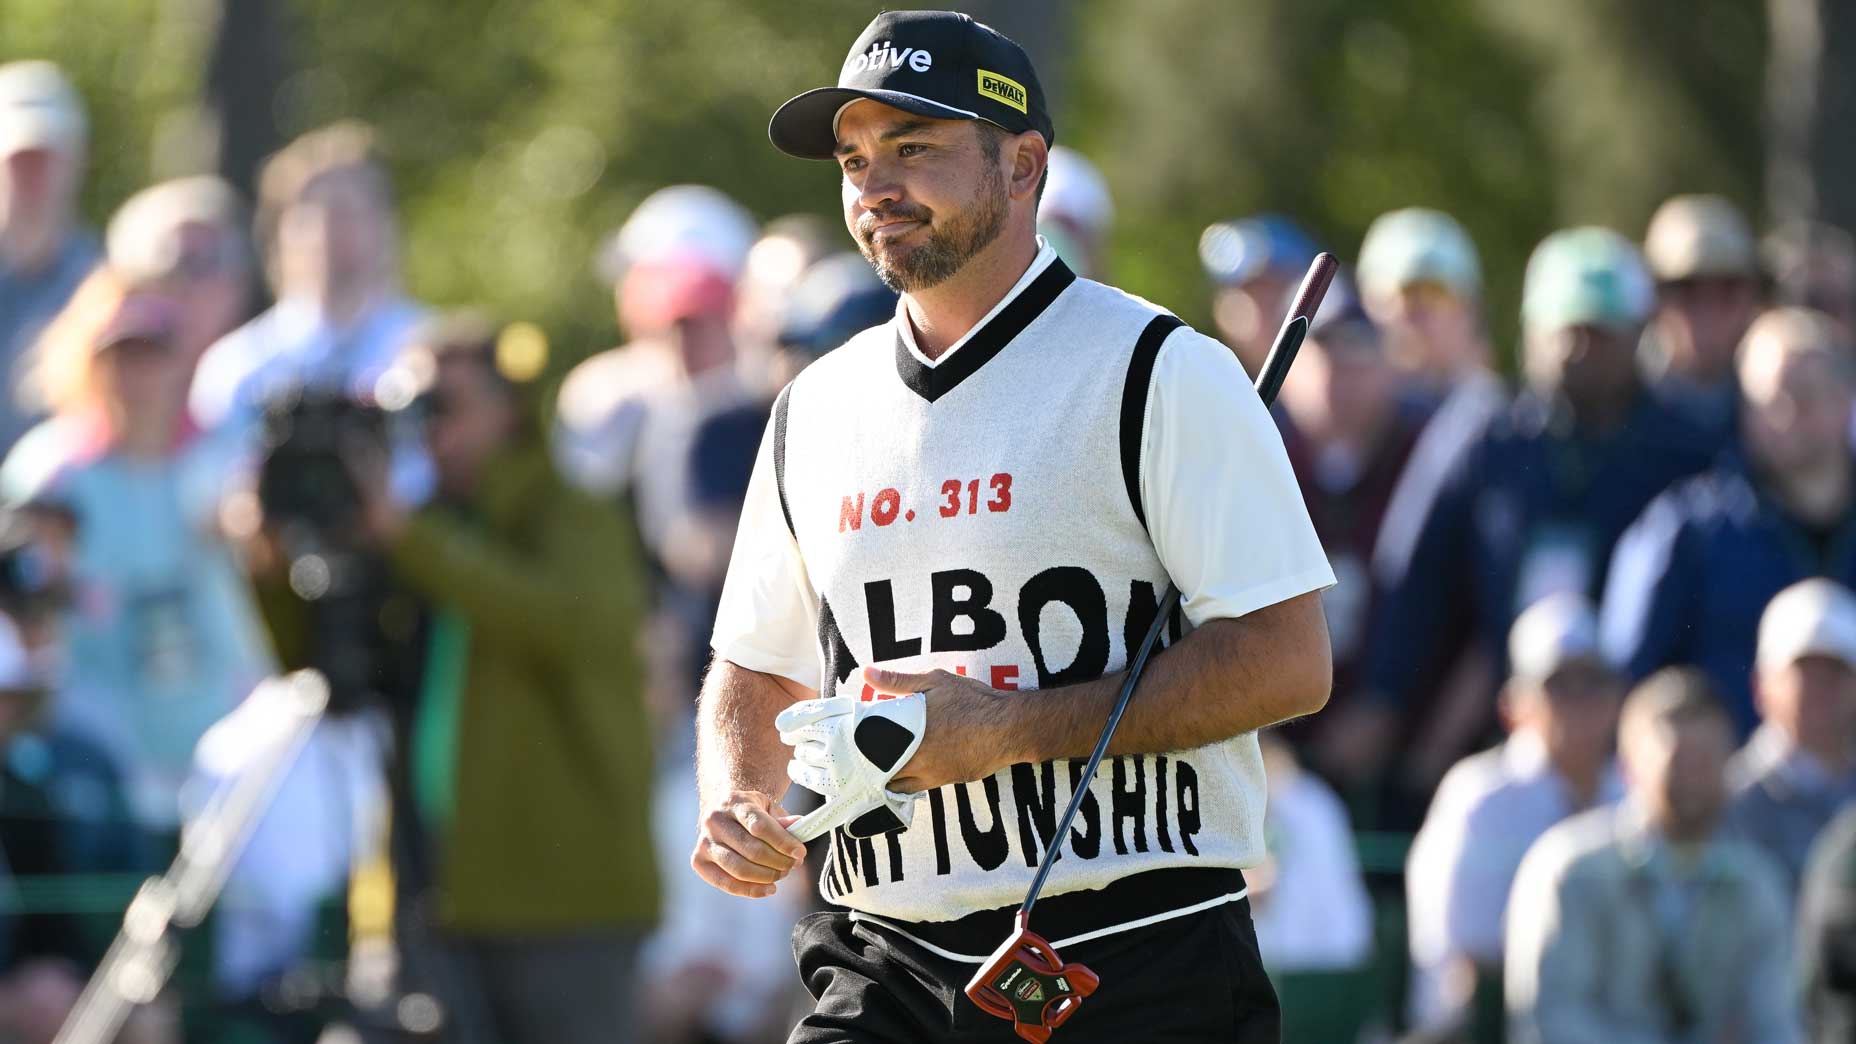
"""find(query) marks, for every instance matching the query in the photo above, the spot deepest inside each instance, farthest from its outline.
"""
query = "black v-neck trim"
(932, 382)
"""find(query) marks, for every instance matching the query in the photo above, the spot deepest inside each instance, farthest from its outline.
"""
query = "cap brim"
(805, 126)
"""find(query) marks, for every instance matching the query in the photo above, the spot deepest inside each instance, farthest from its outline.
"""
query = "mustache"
(867, 223)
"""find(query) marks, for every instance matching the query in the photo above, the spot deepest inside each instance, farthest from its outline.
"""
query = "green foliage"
(1514, 117)
(522, 131)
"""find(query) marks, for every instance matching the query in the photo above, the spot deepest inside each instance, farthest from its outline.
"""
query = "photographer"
(532, 767)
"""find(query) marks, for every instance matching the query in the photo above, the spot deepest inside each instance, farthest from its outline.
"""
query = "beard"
(949, 246)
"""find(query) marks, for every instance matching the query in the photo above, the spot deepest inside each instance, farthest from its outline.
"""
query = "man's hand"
(971, 733)
(743, 847)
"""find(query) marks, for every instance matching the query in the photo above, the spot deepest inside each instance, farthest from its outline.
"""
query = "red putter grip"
(1314, 285)
(1025, 981)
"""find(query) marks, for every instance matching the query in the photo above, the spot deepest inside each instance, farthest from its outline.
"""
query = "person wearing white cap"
(1693, 573)
(1421, 279)
(1799, 769)
(43, 253)
(1706, 265)
(1076, 211)
(1560, 706)
(1648, 922)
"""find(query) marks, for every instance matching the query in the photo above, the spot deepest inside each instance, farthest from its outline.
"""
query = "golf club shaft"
(1269, 382)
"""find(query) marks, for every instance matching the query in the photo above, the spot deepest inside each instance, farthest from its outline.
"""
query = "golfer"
(980, 502)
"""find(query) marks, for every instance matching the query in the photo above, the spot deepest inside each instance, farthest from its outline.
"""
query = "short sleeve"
(767, 620)
(1222, 505)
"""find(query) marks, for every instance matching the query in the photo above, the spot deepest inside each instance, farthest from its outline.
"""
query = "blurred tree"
(1516, 118)
(522, 131)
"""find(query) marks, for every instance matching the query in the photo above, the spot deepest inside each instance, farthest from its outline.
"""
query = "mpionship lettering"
(1152, 801)
(1155, 804)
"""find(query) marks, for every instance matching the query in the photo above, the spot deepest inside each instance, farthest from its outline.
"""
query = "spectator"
(187, 238)
(62, 812)
(1560, 706)
(43, 253)
(1827, 933)
(787, 249)
(1421, 281)
(837, 298)
(1707, 275)
(1647, 922)
(161, 633)
(1255, 265)
(1814, 266)
(183, 240)
(1075, 212)
(1309, 900)
(1532, 508)
(669, 424)
(1799, 769)
(1348, 441)
(325, 219)
(1692, 576)
(546, 885)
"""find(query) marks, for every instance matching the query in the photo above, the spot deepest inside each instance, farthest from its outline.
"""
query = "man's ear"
(1030, 156)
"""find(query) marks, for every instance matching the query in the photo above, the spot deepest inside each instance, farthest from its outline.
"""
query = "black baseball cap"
(941, 64)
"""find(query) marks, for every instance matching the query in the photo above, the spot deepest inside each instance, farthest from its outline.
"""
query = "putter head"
(1026, 982)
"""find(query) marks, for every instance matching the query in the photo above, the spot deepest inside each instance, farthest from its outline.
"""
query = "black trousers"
(1195, 979)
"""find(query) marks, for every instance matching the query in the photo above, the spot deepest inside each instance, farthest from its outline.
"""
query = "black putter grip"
(1295, 325)
(1275, 367)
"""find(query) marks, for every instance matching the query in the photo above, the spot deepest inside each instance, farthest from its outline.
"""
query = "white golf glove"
(847, 750)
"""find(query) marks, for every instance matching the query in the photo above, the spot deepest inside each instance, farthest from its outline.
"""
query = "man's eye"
(910, 149)
(852, 163)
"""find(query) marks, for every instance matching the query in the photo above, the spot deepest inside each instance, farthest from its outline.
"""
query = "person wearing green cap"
(1533, 507)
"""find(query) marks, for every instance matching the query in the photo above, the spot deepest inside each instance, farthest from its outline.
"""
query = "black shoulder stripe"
(779, 454)
(1134, 404)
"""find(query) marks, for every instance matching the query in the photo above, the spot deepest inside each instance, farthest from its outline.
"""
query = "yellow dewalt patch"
(1003, 88)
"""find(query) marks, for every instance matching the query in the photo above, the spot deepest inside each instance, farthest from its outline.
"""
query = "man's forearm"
(1225, 678)
(737, 746)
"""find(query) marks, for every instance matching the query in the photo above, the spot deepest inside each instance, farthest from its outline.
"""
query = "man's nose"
(880, 187)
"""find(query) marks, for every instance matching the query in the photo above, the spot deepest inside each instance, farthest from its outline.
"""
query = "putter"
(1024, 980)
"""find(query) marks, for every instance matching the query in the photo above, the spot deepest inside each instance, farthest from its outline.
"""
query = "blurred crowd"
(1595, 643)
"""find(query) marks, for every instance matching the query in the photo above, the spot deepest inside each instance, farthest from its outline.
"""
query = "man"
(1647, 923)
(1799, 769)
(1560, 706)
(325, 220)
(1075, 213)
(187, 238)
(43, 255)
(1348, 438)
(1691, 578)
(1255, 265)
(545, 890)
(1827, 933)
(1421, 281)
(1534, 506)
(1707, 278)
(987, 494)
